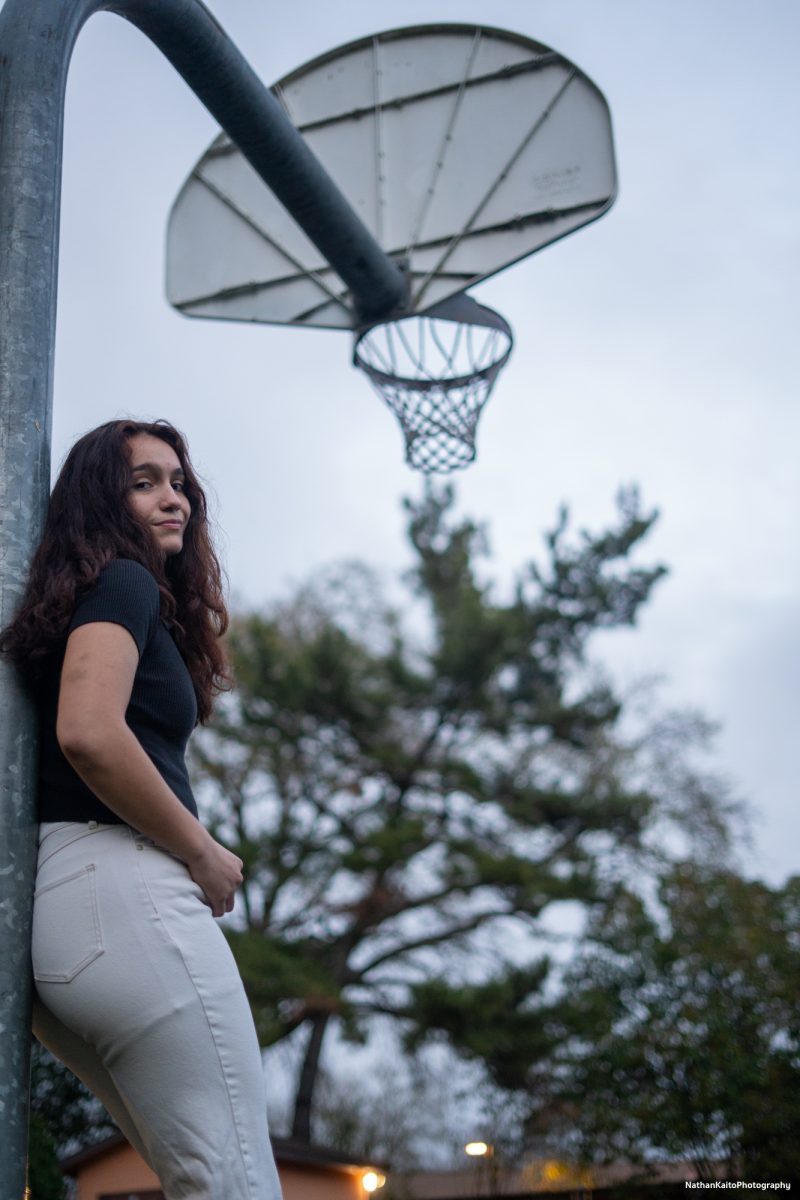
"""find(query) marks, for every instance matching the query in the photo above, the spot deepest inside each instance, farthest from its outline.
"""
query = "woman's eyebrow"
(156, 469)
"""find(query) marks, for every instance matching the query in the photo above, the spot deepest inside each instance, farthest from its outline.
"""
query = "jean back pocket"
(66, 927)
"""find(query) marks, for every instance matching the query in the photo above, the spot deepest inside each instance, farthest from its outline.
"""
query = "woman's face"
(156, 493)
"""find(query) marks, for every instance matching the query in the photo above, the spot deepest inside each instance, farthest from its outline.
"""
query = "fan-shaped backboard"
(462, 148)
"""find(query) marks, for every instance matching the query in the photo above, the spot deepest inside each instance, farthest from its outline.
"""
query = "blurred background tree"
(675, 1033)
(683, 1028)
(400, 801)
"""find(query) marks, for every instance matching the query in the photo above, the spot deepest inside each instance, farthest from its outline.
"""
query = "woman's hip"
(120, 928)
(128, 957)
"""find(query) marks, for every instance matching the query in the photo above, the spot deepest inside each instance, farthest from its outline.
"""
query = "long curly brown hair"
(89, 523)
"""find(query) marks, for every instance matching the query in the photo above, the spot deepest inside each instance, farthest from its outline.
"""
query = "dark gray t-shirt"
(162, 711)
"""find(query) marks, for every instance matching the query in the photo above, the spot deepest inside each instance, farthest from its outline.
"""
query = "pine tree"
(404, 803)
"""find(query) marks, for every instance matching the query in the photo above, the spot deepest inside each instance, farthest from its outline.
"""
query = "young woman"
(136, 988)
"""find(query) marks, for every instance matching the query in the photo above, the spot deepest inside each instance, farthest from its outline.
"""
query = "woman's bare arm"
(96, 682)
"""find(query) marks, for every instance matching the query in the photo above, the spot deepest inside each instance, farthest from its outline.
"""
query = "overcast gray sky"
(658, 345)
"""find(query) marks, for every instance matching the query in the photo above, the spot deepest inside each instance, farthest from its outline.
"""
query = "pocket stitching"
(83, 832)
(53, 977)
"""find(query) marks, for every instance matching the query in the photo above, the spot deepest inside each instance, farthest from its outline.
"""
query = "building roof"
(287, 1150)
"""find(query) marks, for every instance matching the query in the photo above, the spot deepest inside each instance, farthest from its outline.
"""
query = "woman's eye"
(141, 484)
(179, 486)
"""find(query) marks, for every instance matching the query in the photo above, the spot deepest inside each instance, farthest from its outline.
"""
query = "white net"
(436, 372)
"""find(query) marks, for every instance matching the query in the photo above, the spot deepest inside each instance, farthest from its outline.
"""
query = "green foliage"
(500, 1022)
(44, 1176)
(291, 970)
(65, 1116)
(679, 1030)
(401, 802)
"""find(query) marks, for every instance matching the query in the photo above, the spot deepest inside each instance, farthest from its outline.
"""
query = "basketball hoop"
(436, 371)
(463, 149)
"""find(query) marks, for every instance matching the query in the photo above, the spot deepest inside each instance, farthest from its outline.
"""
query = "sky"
(657, 346)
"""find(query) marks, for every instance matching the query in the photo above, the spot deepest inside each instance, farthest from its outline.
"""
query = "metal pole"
(36, 41)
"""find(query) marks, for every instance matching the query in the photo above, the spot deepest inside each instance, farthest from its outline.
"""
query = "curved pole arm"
(204, 55)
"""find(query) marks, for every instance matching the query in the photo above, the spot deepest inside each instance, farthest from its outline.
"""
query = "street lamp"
(485, 1167)
(372, 1180)
(479, 1150)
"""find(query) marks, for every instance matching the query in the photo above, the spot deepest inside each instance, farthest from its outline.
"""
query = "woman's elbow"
(86, 742)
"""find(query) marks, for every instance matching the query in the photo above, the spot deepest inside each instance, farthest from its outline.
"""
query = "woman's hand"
(219, 873)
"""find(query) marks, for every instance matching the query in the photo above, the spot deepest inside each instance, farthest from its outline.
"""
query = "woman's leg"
(128, 957)
(84, 1061)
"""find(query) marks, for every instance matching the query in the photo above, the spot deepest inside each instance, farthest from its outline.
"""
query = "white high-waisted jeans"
(139, 994)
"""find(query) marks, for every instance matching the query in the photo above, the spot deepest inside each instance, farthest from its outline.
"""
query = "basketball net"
(436, 371)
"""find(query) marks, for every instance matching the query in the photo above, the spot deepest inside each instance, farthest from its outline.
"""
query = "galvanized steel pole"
(36, 41)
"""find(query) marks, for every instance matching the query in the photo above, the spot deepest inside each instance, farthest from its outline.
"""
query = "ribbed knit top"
(162, 711)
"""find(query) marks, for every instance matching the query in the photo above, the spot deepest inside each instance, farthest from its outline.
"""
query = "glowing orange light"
(372, 1180)
(477, 1149)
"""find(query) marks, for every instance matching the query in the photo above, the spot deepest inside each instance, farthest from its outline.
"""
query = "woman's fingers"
(220, 907)
(219, 873)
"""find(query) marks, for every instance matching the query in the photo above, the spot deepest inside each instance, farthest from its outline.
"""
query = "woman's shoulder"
(124, 592)
(127, 572)
(125, 580)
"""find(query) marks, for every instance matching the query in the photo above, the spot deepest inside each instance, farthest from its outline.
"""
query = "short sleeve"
(125, 594)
